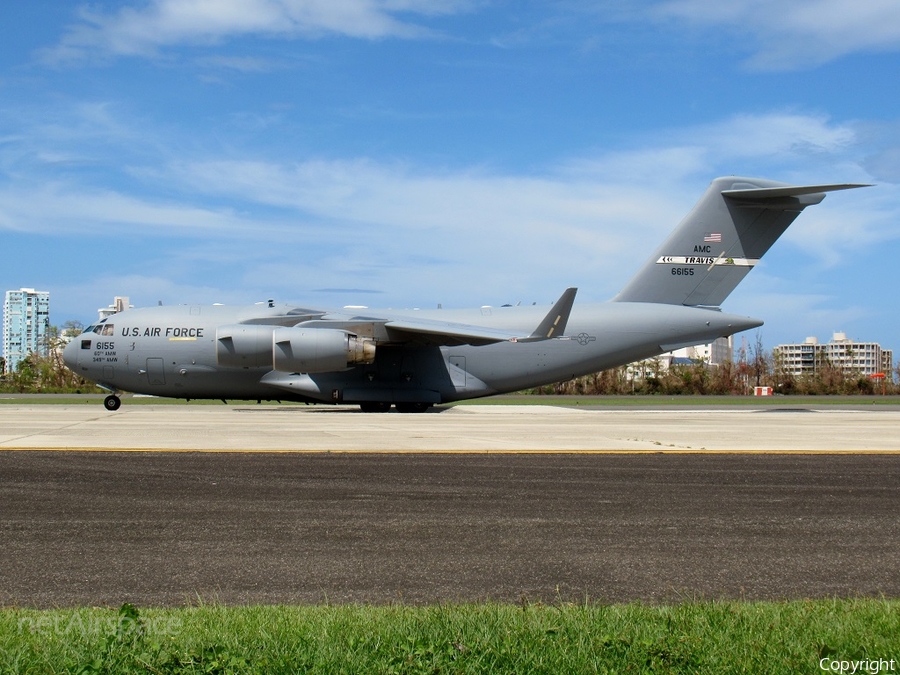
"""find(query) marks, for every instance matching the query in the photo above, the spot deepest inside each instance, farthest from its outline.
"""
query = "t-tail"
(732, 226)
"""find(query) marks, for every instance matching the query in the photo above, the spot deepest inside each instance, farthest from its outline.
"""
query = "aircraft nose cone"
(70, 353)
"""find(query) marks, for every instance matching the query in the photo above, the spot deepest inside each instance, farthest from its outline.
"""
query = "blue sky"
(405, 153)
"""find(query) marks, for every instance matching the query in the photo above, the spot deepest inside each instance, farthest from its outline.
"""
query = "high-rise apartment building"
(26, 324)
(853, 358)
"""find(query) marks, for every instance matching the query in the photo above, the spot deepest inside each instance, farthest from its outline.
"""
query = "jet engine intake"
(318, 350)
(244, 345)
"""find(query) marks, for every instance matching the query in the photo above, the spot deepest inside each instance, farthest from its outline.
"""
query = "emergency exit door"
(155, 371)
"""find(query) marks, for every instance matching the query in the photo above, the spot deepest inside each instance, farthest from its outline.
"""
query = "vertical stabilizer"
(732, 226)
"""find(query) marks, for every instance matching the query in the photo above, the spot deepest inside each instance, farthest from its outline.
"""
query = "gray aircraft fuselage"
(414, 359)
(172, 351)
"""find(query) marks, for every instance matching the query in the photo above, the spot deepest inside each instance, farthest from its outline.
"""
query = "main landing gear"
(112, 402)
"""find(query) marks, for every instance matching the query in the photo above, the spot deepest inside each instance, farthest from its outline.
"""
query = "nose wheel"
(112, 402)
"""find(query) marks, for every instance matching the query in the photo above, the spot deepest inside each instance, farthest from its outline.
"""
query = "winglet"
(554, 324)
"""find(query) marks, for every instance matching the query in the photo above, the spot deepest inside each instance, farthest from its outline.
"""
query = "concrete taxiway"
(471, 428)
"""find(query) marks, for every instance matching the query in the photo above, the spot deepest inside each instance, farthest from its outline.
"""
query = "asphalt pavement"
(178, 528)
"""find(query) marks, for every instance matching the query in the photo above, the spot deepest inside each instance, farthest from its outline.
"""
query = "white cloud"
(775, 134)
(380, 216)
(141, 289)
(816, 315)
(850, 226)
(60, 208)
(462, 236)
(605, 210)
(797, 34)
(406, 196)
(143, 30)
(784, 35)
(242, 64)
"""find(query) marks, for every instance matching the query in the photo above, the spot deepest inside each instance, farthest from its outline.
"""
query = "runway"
(471, 428)
(308, 505)
(100, 529)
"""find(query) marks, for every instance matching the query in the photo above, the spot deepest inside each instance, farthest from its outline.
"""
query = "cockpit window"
(89, 329)
(107, 329)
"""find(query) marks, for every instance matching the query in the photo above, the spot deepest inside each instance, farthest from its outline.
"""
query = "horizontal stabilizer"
(790, 191)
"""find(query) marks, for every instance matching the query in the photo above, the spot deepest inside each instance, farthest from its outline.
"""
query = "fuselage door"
(155, 371)
(458, 371)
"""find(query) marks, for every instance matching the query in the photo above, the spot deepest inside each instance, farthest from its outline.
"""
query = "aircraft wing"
(553, 325)
(449, 333)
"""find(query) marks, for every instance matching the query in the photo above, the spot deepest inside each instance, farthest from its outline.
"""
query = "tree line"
(45, 373)
(754, 367)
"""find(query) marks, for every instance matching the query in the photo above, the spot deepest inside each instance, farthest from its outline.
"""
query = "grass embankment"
(692, 637)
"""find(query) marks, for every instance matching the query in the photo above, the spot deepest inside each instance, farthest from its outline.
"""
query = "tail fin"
(735, 222)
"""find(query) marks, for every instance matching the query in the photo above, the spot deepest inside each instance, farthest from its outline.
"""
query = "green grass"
(692, 637)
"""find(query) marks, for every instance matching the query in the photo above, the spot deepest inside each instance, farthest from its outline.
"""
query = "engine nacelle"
(244, 345)
(318, 350)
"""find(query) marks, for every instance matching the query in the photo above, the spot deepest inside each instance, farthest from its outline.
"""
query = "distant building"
(712, 354)
(853, 358)
(119, 304)
(26, 325)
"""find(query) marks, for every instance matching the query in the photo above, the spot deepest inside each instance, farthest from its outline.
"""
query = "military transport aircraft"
(414, 359)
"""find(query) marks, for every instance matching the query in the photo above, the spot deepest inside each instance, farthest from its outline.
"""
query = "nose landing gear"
(112, 402)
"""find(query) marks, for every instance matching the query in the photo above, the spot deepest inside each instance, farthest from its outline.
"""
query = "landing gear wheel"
(375, 407)
(413, 407)
(112, 402)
